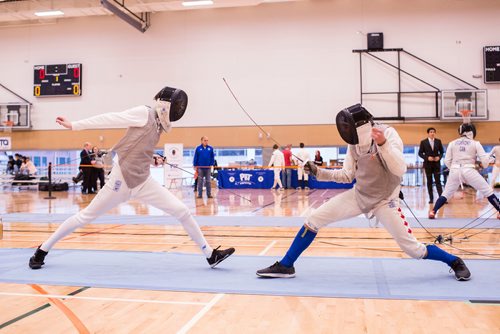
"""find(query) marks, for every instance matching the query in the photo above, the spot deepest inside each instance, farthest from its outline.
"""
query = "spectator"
(98, 168)
(277, 162)
(286, 176)
(302, 157)
(18, 163)
(318, 159)
(28, 167)
(431, 150)
(204, 159)
(10, 165)
(85, 166)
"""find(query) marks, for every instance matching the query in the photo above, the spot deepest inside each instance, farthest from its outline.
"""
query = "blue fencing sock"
(439, 203)
(302, 240)
(493, 199)
(436, 253)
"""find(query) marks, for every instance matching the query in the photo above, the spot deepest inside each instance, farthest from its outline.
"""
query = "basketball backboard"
(453, 102)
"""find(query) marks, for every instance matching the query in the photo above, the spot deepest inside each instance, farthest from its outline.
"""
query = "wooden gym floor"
(75, 309)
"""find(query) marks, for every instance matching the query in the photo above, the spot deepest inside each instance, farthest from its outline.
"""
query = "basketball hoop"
(7, 126)
(465, 113)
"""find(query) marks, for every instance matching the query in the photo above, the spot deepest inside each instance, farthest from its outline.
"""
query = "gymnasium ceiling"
(21, 12)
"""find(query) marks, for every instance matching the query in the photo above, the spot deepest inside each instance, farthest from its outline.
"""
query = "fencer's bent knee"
(180, 212)
(310, 226)
(416, 251)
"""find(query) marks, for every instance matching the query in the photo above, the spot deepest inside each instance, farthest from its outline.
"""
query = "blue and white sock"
(439, 203)
(436, 253)
(302, 240)
(493, 199)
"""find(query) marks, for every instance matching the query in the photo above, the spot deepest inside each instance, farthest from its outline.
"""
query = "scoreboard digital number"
(492, 64)
(58, 80)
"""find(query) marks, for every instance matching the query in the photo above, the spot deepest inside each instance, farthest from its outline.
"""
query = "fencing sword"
(253, 121)
(191, 173)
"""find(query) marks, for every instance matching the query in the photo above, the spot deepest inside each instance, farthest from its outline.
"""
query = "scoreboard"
(491, 64)
(57, 80)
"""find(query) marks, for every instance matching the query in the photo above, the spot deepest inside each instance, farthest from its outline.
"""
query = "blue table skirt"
(263, 179)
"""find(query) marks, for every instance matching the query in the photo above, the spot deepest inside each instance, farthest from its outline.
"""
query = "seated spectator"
(18, 162)
(27, 167)
(10, 165)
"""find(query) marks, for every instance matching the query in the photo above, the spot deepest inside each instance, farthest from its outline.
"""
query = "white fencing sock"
(65, 229)
(193, 230)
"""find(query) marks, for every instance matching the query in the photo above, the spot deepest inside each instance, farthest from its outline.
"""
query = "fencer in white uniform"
(278, 163)
(130, 176)
(301, 157)
(495, 153)
(375, 159)
(461, 158)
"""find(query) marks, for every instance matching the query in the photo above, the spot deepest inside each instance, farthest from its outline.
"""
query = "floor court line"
(239, 245)
(200, 314)
(38, 309)
(79, 325)
(267, 248)
(110, 299)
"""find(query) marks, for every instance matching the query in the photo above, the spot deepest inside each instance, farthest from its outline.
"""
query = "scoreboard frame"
(491, 58)
(57, 80)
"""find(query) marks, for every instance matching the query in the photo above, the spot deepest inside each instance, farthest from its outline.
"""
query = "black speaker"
(375, 41)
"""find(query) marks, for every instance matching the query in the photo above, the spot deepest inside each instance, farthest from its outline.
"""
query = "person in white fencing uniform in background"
(461, 160)
(375, 159)
(495, 153)
(130, 176)
(301, 157)
(277, 162)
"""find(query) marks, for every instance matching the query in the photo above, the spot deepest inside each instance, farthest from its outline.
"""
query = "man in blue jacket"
(204, 158)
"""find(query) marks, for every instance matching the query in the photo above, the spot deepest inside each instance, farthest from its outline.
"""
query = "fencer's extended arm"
(344, 175)
(392, 152)
(448, 158)
(484, 157)
(133, 117)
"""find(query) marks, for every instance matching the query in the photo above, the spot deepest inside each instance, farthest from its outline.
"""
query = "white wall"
(288, 63)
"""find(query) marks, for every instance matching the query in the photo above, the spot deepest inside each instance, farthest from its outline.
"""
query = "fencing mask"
(171, 103)
(468, 130)
(354, 125)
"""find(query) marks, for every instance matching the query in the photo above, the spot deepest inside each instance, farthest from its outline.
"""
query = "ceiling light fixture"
(141, 23)
(197, 3)
(50, 13)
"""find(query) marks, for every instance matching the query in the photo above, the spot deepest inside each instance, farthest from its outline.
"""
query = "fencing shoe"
(432, 214)
(36, 261)
(462, 273)
(219, 255)
(277, 270)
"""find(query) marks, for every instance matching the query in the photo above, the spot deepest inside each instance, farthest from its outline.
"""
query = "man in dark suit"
(85, 166)
(431, 150)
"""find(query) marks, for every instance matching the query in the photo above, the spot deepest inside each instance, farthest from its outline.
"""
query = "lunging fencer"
(461, 160)
(375, 159)
(130, 176)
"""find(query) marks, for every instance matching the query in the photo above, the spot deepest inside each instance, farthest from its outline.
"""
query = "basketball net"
(7, 126)
(465, 115)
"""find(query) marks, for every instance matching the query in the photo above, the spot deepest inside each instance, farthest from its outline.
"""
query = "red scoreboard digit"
(57, 80)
